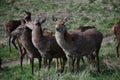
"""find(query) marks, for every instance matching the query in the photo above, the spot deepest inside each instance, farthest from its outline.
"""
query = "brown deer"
(13, 24)
(76, 45)
(16, 35)
(9, 27)
(29, 49)
(116, 30)
(46, 45)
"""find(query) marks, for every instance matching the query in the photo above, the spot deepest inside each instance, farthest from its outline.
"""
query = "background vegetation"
(100, 13)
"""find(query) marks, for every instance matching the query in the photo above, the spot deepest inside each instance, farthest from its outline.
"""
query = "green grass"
(109, 65)
(7, 56)
(99, 13)
(14, 73)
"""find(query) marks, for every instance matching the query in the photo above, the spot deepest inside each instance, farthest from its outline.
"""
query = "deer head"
(26, 15)
(39, 20)
(60, 24)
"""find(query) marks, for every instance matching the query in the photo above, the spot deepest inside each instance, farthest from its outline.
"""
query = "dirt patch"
(108, 38)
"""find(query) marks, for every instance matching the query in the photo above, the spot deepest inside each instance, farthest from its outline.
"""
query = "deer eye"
(62, 25)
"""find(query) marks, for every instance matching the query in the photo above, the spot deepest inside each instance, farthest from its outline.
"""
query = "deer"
(16, 36)
(78, 30)
(46, 45)
(116, 31)
(76, 45)
(29, 49)
(84, 28)
(11, 25)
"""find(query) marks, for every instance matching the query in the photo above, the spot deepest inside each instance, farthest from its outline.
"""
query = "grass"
(99, 13)
(6, 55)
(109, 64)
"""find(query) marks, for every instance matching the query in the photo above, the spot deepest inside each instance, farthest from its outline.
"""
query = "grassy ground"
(109, 64)
(6, 55)
(100, 13)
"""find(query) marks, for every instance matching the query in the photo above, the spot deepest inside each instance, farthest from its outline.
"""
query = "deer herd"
(72, 45)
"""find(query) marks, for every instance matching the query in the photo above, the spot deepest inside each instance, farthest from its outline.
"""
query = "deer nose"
(57, 27)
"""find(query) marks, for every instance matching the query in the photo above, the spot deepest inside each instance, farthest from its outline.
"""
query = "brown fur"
(76, 45)
(47, 45)
(47, 32)
(9, 27)
(13, 24)
(116, 31)
(16, 34)
(84, 28)
(26, 42)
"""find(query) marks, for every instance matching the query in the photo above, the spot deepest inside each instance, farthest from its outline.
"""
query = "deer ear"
(42, 20)
(65, 19)
(36, 20)
(54, 18)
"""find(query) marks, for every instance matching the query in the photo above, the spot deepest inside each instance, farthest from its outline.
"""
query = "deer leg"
(91, 58)
(10, 43)
(13, 42)
(97, 57)
(32, 64)
(45, 62)
(83, 60)
(71, 63)
(21, 60)
(49, 62)
(60, 61)
(21, 54)
(39, 59)
(19, 48)
(78, 61)
(98, 65)
(57, 62)
(116, 48)
(63, 66)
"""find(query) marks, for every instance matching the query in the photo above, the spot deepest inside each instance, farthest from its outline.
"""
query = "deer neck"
(61, 37)
(37, 32)
(63, 41)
